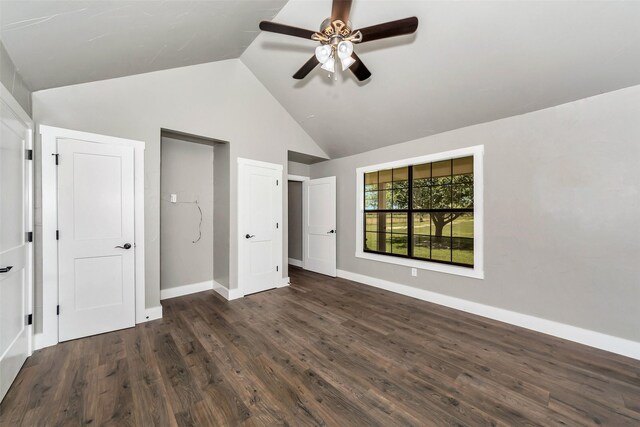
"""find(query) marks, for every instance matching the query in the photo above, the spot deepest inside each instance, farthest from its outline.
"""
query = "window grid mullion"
(430, 206)
(451, 206)
(409, 212)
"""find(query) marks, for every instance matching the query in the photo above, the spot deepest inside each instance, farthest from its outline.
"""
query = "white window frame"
(477, 271)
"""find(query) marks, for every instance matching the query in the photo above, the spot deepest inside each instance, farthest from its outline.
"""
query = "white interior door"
(319, 225)
(15, 257)
(96, 245)
(260, 226)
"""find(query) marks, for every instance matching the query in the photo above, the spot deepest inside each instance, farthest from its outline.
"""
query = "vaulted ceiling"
(469, 62)
(62, 42)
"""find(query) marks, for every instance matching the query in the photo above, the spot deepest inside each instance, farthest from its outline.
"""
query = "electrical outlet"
(174, 198)
(414, 272)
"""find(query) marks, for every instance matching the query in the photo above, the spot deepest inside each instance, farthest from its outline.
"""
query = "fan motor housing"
(335, 28)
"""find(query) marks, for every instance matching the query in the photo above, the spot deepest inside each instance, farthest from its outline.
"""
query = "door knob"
(6, 269)
(331, 232)
(249, 236)
(126, 246)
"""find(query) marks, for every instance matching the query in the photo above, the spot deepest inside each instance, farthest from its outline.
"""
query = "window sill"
(475, 272)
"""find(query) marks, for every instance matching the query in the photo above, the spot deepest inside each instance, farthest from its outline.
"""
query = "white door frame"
(240, 292)
(297, 178)
(7, 98)
(49, 136)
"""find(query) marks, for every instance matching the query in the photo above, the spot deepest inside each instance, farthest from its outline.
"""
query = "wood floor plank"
(322, 352)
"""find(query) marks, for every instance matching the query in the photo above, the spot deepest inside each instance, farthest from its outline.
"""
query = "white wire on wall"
(199, 210)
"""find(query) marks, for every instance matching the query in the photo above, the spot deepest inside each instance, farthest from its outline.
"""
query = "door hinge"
(57, 156)
(58, 310)
(57, 234)
(29, 154)
(277, 224)
(277, 268)
(29, 236)
(277, 182)
(29, 319)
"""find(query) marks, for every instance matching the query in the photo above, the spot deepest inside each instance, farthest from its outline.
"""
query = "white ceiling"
(62, 42)
(470, 62)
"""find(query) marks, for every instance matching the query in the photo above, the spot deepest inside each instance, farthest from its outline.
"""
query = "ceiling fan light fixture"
(337, 37)
(345, 50)
(329, 65)
(347, 62)
(324, 53)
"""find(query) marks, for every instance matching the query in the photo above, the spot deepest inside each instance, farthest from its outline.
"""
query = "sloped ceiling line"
(470, 62)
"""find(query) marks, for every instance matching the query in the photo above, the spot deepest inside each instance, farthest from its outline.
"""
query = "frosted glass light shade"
(347, 62)
(329, 65)
(323, 53)
(345, 50)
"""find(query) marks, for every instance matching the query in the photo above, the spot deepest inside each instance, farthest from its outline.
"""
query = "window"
(423, 212)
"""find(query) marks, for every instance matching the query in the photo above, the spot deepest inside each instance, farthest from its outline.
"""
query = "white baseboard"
(599, 340)
(295, 262)
(228, 294)
(285, 282)
(191, 288)
(153, 313)
(221, 290)
(43, 341)
(235, 294)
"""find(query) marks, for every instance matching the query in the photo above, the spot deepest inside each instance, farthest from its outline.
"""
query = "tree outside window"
(422, 211)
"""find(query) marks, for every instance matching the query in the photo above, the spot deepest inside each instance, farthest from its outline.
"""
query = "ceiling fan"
(336, 37)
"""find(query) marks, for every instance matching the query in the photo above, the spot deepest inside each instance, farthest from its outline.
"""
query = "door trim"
(49, 136)
(300, 179)
(297, 178)
(240, 291)
(7, 98)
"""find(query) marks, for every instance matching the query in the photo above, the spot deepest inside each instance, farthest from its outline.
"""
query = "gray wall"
(187, 171)
(221, 213)
(221, 100)
(294, 189)
(562, 202)
(11, 79)
(295, 168)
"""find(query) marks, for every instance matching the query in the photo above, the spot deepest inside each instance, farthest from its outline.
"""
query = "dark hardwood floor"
(322, 352)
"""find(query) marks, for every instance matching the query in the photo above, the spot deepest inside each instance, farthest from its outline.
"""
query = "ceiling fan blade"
(389, 29)
(274, 27)
(340, 9)
(359, 69)
(306, 68)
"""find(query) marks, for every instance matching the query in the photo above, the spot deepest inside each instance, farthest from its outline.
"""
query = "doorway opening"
(311, 242)
(194, 214)
(294, 211)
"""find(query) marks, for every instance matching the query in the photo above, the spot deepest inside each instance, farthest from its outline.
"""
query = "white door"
(15, 258)
(96, 245)
(260, 225)
(319, 225)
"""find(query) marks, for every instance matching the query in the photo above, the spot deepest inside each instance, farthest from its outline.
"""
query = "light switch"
(174, 198)
(414, 272)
